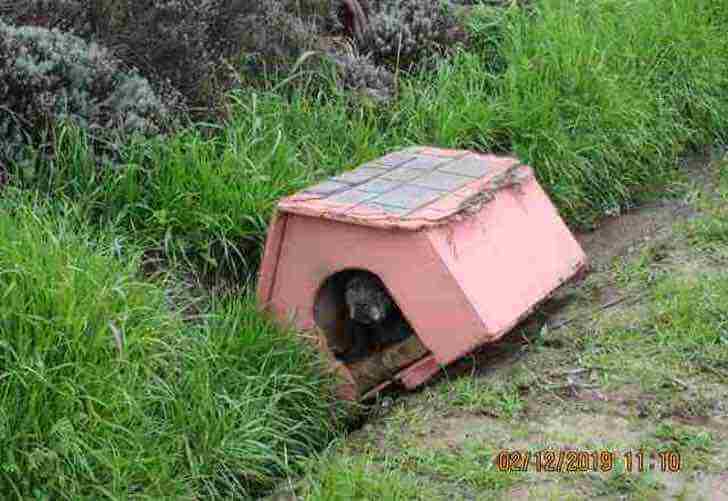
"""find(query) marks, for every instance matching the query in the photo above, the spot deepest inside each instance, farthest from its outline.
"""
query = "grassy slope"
(600, 97)
(105, 392)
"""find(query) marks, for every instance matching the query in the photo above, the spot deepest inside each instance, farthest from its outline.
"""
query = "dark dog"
(374, 321)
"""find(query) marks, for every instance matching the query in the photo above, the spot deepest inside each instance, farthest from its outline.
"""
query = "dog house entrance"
(358, 315)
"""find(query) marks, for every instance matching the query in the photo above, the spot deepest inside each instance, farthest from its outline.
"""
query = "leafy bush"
(402, 30)
(65, 15)
(360, 73)
(47, 77)
(183, 42)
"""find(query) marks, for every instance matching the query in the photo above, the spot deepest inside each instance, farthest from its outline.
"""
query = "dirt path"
(626, 360)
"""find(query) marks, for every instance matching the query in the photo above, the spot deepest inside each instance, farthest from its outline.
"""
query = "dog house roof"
(407, 189)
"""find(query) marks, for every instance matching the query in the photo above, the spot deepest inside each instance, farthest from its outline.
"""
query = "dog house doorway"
(347, 337)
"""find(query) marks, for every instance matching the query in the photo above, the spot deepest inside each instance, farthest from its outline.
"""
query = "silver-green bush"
(48, 77)
(359, 73)
(183, 42)
(406, 29)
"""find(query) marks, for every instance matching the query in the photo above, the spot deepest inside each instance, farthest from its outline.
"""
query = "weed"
(694, 447)
(344, 478)
(471, 465)
(683, 438)
(477, 396)
(621, 482)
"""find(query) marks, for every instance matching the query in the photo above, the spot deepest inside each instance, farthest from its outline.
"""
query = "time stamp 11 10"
(554, 460)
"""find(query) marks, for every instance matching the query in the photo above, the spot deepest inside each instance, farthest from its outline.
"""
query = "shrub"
(188, 42)
(403, 30)
(183, 42)
(47, 77)
(65, 15)
(359, 73)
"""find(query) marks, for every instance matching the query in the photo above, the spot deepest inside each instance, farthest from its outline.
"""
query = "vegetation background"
(145, 144)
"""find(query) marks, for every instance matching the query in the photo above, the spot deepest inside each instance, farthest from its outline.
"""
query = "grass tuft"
(106, 393)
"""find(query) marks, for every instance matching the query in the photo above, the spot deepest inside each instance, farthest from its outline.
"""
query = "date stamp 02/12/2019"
(554, 460)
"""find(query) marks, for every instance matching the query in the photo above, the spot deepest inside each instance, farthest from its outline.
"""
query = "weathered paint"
(418, 373)
(266, 275)
(507, 258)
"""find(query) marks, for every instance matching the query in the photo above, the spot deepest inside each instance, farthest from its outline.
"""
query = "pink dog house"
(466, 244)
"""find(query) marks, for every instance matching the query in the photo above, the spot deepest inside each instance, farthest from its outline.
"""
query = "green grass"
(361, 478)
(106, 393)
(472, 466)
(206, 199)
(709, 231)
(494, 398)
(675, 351)
(682, 438)
(685, 326)
(410, 474)
(684, 332)
(628, 485)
